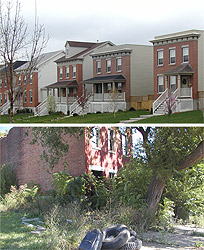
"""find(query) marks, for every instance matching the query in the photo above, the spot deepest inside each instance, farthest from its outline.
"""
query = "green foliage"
(131, 184)
(186, 190)
(169, 146)
(60, 180)
(51, 104)
(54, 144)
(19, 197)
(165, 213)
(8, 178)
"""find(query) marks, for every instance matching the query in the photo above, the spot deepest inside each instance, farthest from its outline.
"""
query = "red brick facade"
(82, 156)
(193, 61)
(125, 71)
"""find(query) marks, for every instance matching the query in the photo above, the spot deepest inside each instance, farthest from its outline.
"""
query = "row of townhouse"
(103, 153)
(138, 76)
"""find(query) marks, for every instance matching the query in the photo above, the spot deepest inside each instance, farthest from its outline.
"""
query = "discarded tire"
(132, 245)
(115, 237)
(92, 241)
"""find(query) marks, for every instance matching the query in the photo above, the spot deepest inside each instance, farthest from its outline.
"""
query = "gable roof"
(184, 68)
(80, 44)
(16, 65)
(79, 56)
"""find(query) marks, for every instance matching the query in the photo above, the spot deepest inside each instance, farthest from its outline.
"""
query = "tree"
(114, 96)
(83, 101)
(169, 150)
(14, 39)
(54, 145)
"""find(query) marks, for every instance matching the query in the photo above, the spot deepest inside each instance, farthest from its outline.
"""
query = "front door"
(185, 81)
(99, 88)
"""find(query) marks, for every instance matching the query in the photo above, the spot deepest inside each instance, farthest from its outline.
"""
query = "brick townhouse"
(179, 68)
(32, 85)
(126, 69)
(102, 153)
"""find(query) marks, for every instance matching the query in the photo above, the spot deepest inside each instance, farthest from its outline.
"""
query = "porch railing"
(4, 108)
(106, 97)
(186, 92)
(159, 100)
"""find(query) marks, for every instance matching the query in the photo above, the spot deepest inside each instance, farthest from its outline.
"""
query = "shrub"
(19, 197)
(131, 109)
(51, 104)
(8, 178)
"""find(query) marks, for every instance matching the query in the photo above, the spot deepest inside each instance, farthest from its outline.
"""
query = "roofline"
(177, 35)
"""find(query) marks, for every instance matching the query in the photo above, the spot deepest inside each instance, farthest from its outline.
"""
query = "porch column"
(67, 95)
(113, 87)
(93, 91)
(179, 85)
(166, 83)
(47, 92)
(53, 91)
(60, 95)
(103, 90)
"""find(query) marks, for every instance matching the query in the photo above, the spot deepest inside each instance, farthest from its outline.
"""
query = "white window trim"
(172, 77)
(183, 47)
(96, 168)
(160, 84)
(74, 67)
(160, 50)
(98, 72)
(108, 60)
(170, 63)
(109, 150)
(31, 96)
(67, 72)
(118, 70)
(94, 138)
(60, 73)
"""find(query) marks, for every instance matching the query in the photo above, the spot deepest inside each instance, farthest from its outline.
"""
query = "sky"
(121, 22)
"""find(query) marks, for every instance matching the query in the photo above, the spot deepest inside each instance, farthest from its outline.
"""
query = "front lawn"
(89, 118)
(184, 117)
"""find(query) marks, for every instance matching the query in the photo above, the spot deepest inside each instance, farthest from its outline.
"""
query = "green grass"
(15, 235)
(89, 118)
(184, 117)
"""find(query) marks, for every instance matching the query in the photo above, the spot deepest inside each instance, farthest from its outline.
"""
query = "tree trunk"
(154, 192)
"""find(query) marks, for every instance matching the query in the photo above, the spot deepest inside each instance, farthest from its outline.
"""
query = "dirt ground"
(183, 238)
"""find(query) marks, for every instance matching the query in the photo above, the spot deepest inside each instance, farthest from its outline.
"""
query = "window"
(124, 144)
(108, 87)
(185, 54)
(108, 65)
(118, 64)
(19, 80)
(0, 83)
(0, 98)
(172, 56)
(74, 71)
(67, 72)
(25, 96)
(119, 87)
(96, 137)
(160, 57)
(5, 98)
(24, 80)
(31, 96)
(160, 81)
(111, 140)
(172, 83)
(60, 73)
(31, 79)
(5, 83)
(98, 67)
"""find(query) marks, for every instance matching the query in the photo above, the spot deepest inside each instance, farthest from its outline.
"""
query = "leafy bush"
(8, 178)
(59, 182)
(19, 197)
(51, 104)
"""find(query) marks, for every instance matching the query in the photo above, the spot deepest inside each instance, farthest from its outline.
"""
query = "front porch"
(178, 85)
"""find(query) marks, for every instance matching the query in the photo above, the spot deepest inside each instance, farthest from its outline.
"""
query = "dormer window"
(67, 51)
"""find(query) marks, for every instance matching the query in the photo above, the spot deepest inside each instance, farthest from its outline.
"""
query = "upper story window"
(5, 83)
(111, 140)
(124, 144)
(19, 80)
(160, 82)
(60, 73)
(31, 96)
(31, 78)
(172, 83)
(67, 72)
(98, 67)
(160, 57)
(24, 80)
(96, 137)
(118, 64)
(0, 83)
(172, 56)
(108, 65)
(185, 54)
(74, 71)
